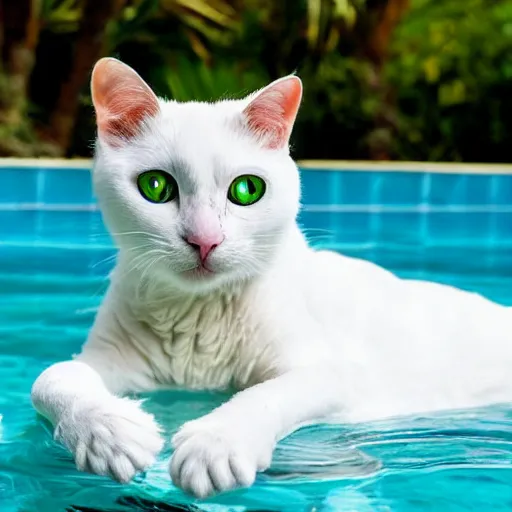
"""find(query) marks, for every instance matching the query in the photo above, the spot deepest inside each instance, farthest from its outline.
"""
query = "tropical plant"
(421, 79)
(451, 70)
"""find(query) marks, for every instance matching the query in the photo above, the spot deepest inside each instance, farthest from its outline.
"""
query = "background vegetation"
(384, 79)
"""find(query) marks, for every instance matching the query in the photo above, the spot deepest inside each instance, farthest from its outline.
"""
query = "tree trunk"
(386, 18)
(90, 46)
(20, 33)
(377, 30)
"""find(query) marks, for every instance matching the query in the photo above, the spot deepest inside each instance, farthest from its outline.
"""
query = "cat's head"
(201, 194)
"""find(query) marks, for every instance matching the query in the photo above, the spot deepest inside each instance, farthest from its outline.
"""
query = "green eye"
(157, 186)
(246, 190)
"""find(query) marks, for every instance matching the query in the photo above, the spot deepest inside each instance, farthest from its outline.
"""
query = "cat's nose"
(204, 245)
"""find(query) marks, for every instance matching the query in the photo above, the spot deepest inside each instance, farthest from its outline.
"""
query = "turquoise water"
(460, 461)
(54, 256)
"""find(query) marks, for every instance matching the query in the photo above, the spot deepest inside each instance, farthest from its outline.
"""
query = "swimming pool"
(418, 221)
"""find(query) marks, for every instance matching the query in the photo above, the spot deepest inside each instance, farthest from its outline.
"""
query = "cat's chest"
(205, 343)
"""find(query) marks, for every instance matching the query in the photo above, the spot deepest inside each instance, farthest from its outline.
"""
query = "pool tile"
(407, 258)
(465, 259)
(61, 225)
(97, 230)
(446, 189)
(315, 220)
(357, 187)
(458, 226)
(399, 227)
(323, 228)
(478, 189)
(501, 189)
(399, 193)
(317, 186)
(18, 185)
(503, 227)
(66, 187)
(18, 224)
(351, 227)
(469, 189)
(397, 188)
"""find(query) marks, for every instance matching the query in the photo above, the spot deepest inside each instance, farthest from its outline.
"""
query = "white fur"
(302, 334)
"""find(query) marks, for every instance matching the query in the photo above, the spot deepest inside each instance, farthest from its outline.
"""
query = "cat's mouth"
(201, 271)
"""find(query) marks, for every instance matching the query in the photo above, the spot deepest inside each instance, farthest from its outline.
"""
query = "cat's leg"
(224, 449)
(106, 434)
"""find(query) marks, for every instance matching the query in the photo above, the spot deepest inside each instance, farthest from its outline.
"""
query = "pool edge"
(311, 165)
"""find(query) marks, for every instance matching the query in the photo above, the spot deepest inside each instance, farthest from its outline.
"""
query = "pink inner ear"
(121, 99)
(272, 113)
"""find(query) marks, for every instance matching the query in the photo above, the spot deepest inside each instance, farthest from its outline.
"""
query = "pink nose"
(204, 244)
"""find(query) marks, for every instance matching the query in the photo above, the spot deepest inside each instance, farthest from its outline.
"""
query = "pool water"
(54, 258)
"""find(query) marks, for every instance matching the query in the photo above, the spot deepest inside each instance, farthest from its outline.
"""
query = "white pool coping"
(324, 165)
(428, 167)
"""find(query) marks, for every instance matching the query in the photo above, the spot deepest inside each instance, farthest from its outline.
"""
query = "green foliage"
(337, 110)
(61, 16)
(191, 79)
(18, 137)
(452, 72)
(243, 46)
(442, 91)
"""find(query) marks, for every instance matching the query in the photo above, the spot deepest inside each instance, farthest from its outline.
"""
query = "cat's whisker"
(151, 242)
(333, 235)
(134, 233)
(323, 230)
(99, 236)
(104, 261)
(140, 259)
(320, 239)
(142, 281)
(124, 251)
(261, 251)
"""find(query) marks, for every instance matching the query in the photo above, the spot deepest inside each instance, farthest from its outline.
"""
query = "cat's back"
(408, 345)
(370, 301)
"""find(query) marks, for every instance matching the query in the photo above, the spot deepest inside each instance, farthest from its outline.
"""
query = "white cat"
(216, 287)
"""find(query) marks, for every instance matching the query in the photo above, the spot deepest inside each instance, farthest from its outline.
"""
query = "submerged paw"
(116, 441)
(208, 460)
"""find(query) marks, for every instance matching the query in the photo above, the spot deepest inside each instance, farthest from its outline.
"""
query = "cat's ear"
(122, 100)
(272, 111)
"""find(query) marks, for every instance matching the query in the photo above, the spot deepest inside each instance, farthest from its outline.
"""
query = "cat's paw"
(212, 457)
(115, 438)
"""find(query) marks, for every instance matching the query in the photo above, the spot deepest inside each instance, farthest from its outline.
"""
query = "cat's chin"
(199, 272)
(201, 280)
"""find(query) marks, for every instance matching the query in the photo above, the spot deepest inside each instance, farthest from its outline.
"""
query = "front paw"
(212, 457)
(116, 438)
